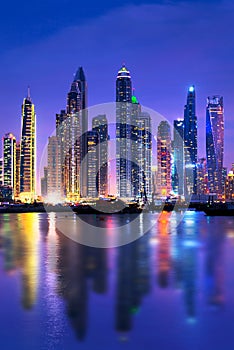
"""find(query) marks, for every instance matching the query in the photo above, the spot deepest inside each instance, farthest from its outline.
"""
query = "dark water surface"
(171, 289)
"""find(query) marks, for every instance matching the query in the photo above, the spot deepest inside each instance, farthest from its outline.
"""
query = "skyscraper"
(71, 127)
(178, 157)
(9, 160)
(81, 82)
(164, 159)
(54, 190)
(28, 151)
(100, 125)
(215, 143)
(190, 142)
(92, 162)
(123, 132)
(17, 170)
(141, 148)
(68, 132)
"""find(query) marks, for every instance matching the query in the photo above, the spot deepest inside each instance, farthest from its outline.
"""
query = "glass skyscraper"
(123, 133)
(100, 125)
(164, 185)
(9, 160)
(190, 142)
(28, 151)
(215, 144)
(178, 151)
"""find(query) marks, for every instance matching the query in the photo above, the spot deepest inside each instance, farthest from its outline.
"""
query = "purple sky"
(166, 46)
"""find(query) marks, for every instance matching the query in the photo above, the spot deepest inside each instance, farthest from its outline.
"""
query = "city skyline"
(166, 68)
(74, 159)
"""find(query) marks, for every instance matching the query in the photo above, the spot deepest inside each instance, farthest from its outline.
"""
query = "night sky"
(167, 46)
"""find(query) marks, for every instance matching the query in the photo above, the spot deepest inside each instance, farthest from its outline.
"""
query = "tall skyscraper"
(68, 132)
(141, 148)
(71, 127)
(215, 143)
(178, 152)
(81, 82)
(54, 190)
(92, 162)
(190, 142)
(28, 151)
(123, 132)
(9, 160)
(17, 170)
(164, 186)
(100, 125)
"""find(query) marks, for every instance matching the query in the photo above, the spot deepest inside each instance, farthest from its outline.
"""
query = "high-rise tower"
(164, 159)
(100, 125)
(179, 156)
(81, 82)
(28, 151)
(123, 132)
(9, 161)
(190, 142)
(215, 143)
(141, 148)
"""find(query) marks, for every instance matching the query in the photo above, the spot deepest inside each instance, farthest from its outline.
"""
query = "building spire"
(79, 76)
(29, 93)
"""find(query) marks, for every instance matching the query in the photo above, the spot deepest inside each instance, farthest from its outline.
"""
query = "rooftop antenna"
(29, 92)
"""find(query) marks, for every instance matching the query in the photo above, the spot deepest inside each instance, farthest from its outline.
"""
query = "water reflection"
(215, 267)
(20, 242)
(188, 258)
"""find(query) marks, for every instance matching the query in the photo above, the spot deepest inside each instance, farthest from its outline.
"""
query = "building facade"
(28, 151)
(178, 154)
(100, 125)
(215, 143)
(54, 184)
(164, 185)
(190, 143)
(93, 158)
(9, 161)
(123, 133)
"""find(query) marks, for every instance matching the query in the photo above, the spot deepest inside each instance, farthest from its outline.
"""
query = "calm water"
(164, 291)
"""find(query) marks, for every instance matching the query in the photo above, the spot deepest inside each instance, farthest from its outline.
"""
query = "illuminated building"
(123, 132)
(71, 127)
(28, 151)
(215, 144)
(81, 82)
(202, 176)
(141, 149)
(9, 161)
(229, 185)
(164, 159)
(92, 163)
(17, 170)
(1, 171)
(100, 125)
(71, 130)
(190, 142)
(54, 190)
(178, 152)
